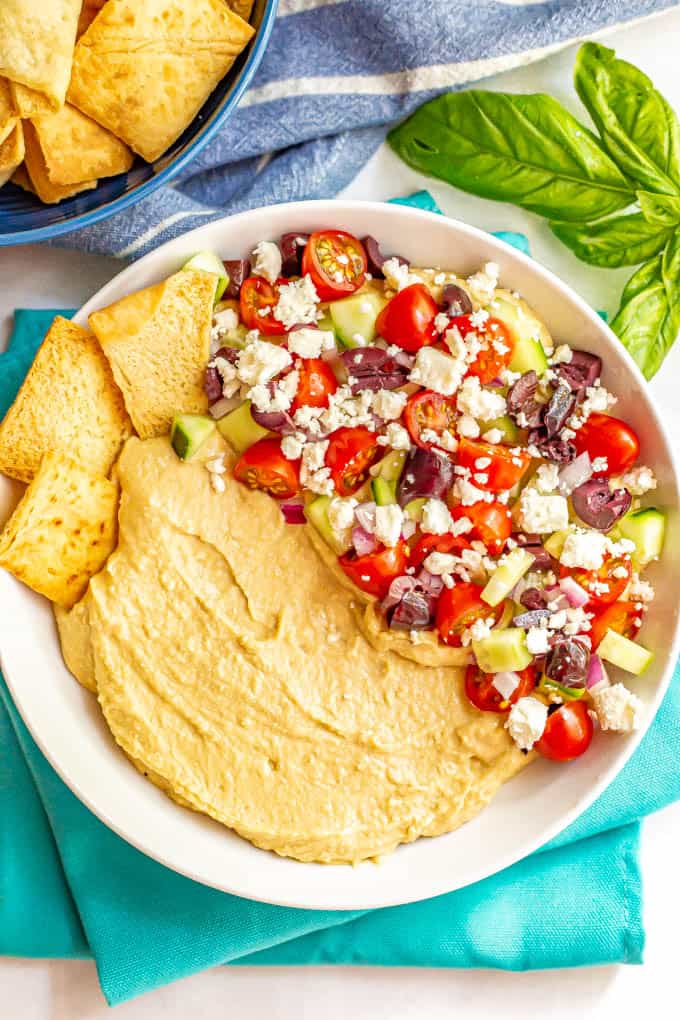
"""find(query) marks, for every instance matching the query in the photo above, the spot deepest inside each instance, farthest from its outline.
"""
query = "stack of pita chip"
(86, 84)
(85, 395)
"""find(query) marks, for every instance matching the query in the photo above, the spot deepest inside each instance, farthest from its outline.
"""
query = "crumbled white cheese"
(278, 397)
(395, 436)
(436, 519)
(547, 478)
(538, 640)
(388, 404)
(468, 493)
(225, 320)
(388, 522)
(618, 709)
(309, 343)
(297, 302)
(341, 514)
(577, 620)
(597, 399)
(260, 361)
(346, 409)
(217, 482)
(468, 427)
(307, 417)
(292, 446)
(478, 402)
(526, 722)
(397, 275)
(599, 465)
(584, 548)
(477, 631)
(267, 261)
(462, 526)
(493, 436)
(216, 466)
(640, 591)
(440, 563)
(314, 475)
(639, 480)
(479, 318)
(482, 284)
(542, 514)
(562, 356)
(441, 321)
(437, 371)
(229, 376)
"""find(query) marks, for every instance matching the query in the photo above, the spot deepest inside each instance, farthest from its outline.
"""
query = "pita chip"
(8, 114)
(11, 153)
(37, 45)
(45, 189)
(75, 148)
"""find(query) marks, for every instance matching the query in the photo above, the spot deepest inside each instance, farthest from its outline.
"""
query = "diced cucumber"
(354, 317)
(528, 355)
(326, 323)
(239, 429)
(646, 528)
(502, 650)
(391, 466)
(316, 513)
(623, 652)
(555, 543)
(189, 432)
(414, 509)
(208, 262)
(384, 492)
(506, 575)
(512, 435)
(549, 686)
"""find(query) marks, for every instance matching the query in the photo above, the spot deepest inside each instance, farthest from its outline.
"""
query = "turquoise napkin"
(69, 887)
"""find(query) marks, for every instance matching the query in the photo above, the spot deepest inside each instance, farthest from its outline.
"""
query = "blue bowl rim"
(163, 176)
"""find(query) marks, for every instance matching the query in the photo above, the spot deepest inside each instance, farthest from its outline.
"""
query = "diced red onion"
(223, 406)
(559, 601)
(576, 595)
(365, 515)
(506, 684)
(400, 585)
(596, 678)
(294, 513)
(363, 542)
(431, 584)
(575, 474)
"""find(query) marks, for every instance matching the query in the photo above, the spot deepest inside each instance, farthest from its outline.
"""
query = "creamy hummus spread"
(238, 672)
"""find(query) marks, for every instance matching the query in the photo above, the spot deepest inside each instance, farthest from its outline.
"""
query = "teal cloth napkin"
(69, 887)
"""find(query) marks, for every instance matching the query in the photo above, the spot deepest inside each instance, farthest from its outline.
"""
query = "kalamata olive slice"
(532, 618)
(598, 506)
(558, 409)
(212, 384)
(372, 368)
(542, 558)
(375, 258)
(292, 246)
(456, 300)
(559, 451)
(229, 354)
(427, 474)
(275, 421)
(238, 270)
(413, 612)
(534, 598)
(567, 662)
(581, 372)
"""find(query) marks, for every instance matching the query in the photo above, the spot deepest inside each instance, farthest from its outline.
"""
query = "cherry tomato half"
(505, 468)
(623, 617)
(603, 585)
(407, 320)
(259, 296)
(375, 571)
(316, 383)
(263, 466)
(429, 411)
(491, 524)
(568, 732)
(350, 453)
(497, 344)
(336, 262)
(484, 696)
(604, 436)
(436, 543)
(458, 608)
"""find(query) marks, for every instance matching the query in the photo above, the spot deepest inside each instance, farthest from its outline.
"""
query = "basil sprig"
(529, 150)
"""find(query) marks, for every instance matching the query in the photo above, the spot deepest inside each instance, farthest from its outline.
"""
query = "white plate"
(66, 722)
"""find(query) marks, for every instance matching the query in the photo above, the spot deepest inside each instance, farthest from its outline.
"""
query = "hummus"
(231, 669)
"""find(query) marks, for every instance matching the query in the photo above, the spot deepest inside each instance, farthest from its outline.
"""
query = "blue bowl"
(24, 219)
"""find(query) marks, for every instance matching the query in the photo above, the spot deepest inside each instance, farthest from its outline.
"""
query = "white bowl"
(67, 724)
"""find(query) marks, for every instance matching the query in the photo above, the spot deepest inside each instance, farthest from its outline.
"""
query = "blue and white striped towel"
(336, 75)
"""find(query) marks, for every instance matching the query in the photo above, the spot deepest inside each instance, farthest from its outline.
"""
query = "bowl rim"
(164, 176)
(420, 889)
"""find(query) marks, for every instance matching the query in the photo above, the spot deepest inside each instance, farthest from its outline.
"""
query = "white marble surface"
(56, 990)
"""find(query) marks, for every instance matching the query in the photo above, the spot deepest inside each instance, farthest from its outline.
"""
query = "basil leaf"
(620, 241)
(638, 127)
(525, 149)
(661, 209)
(648, 319)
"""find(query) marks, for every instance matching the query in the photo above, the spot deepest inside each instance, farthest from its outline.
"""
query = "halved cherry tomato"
(491, 524)
(336, 262)
(407, 320)
(375, 571)
(436, 543)
(350, 453)
(263, 466)
(260, 296)
(604, 436)
(623, 617)
(427, 410)
(458, 608)
(497, 346)
(603, 586)
(568, 732)
(316, 383)
(505, 468)
(484, 696)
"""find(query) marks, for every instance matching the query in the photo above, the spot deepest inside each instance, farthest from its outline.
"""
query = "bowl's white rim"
(548, 832)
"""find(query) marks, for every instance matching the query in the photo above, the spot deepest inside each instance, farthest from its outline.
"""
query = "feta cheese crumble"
(618, 709)
(267, 261)
(547, 478)
(437, 371)
(542, 514)
(292, 446)
(436, 518)
(389, 404)
(260, 361)
(639, 480)
(526, 722)
(538, 640)
(309, 343)
(585, 549)
(341, 514)
(297, 302)
(479, 403)
(388, 522)
(395, 436)
(482, 284)
(468, 427)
